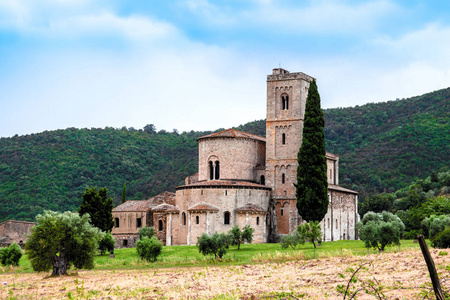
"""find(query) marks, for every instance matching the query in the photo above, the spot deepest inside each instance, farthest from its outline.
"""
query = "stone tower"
(286, 99)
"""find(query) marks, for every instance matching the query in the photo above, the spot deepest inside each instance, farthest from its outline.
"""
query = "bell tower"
(286, 99)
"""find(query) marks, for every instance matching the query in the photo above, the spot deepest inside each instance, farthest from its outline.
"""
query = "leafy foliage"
(145, 231)
(107, 244)
(310, 232)
(376, 203)
(216, 244)
(149, 248)
(442, 239)
(11, 255)
(312, 198)
(239, 237)
(99, 207)
(433, 225)
(60, 239)
(291, 240)
(379, 230)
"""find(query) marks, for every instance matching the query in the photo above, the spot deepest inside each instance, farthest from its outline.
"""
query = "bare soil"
(401, 275)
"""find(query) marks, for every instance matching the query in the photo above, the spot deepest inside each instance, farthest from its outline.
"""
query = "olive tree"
(291, 240)
(61, 239)
(149, 248)
(239, 237)
(310, 231)
(146, 232)
(216, 244)
(379, 230)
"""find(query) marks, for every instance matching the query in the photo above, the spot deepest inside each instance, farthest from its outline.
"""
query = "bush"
(433, 225)
(238, 237)
(291, 240)
(146, 231)
(149, 248)
(442, 239)
(310, 232)
(11, 255)
(216, 244)
(107, 244)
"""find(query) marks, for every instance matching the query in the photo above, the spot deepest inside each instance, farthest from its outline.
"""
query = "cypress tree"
(99, 206)
(312, 185)
(124, 192)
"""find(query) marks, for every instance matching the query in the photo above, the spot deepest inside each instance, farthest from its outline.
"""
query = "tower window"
(226, 218)
(283, 139)
(283, 178)
(197, 220)
(282, 209)
(183, 218)
(211, 170)
(285, 101)
(160, 225)
(117, 222)
(257, 220)
(217, 171)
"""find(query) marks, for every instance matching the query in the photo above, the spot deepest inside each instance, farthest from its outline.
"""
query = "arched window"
(226, 218)
(263, 180)
(211, 170)
(285, 101)
(197, 220)
(283, 139)
(217, 171)
(117, 222)
(160, 225)
(283, 178)
(257, 220)
(183, 218)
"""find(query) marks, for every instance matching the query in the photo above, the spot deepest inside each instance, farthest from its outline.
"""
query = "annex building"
(244, 179)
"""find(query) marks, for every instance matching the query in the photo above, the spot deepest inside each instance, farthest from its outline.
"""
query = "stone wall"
(14, 231)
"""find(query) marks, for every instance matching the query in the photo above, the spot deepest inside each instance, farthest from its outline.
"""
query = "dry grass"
(402, 275)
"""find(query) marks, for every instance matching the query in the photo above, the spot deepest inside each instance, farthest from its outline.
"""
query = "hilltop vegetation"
(382, 148)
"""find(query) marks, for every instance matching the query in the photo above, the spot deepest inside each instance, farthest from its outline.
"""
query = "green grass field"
(185, 256)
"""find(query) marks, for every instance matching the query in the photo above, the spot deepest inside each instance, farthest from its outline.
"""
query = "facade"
(14, 231)
(247, 179)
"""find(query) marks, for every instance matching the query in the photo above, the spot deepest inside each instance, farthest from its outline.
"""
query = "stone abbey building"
(244, 179)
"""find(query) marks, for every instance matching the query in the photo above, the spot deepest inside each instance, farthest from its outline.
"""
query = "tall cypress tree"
(99, 206)
(124, 192)
(312, 185)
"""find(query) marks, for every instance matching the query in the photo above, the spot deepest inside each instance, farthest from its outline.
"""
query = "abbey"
(244, 179)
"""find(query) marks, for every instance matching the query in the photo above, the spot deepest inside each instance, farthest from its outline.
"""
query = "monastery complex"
(244, 179)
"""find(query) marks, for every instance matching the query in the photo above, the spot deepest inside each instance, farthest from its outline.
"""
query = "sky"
(203, 65)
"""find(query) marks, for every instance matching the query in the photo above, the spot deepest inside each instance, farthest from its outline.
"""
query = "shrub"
(433, 225)
(146, 231)
(310, 232)
(11, 255)
(442, 239)
(216, 244)
(149, 248)
(107, 244)
(291, 240)
(238, 237)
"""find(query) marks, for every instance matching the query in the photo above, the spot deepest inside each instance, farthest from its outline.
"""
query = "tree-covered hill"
(382, 147)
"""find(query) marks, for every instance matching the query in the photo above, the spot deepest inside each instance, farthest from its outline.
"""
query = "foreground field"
(401, 275)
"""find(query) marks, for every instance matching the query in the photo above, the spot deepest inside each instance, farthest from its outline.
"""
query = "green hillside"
(382, 147)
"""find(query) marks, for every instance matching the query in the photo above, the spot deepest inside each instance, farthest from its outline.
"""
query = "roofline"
(249, 137)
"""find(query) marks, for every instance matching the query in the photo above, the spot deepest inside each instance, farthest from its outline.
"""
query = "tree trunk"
(59, 265)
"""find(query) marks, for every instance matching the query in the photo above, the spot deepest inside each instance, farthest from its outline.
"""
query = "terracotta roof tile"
(133, 205)
(341, 189)
(166, 207)
(232, 133)
(203, 207)
(250, 207)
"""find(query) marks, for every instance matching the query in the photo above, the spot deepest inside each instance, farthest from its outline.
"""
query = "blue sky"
(202, 65)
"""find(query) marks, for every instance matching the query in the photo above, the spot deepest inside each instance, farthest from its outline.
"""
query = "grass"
(185, 256)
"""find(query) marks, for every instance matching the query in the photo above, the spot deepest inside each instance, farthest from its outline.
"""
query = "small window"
(183, 218)
(283, 139)
(283, 178)
(282, 211)
(285, 102)
(116, 220)
(336, 224)
(197, 220)
(202, 192)
(226, 218)
(226, 192)
(328, 222)
(125, 243)
(257, 220)
(217, 172)
(263, 180)
(138, 222)
(341, 199)
(160, 225)
(211, 170)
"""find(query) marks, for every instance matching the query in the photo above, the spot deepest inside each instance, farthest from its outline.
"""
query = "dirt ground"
(401, 275)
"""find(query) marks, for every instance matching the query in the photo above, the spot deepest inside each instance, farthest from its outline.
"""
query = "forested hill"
(382, 146)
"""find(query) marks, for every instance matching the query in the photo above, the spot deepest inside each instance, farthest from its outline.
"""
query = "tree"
(310, 232)
(312, 198)
(216, 244)
(10, 255)
(61, 239)
(377, 203)
(379, 230)
(149, 248)
(239, 237)
(124, 192)
(107, 244)
(146, 232)
(291, 240)
(433, 225)
(99, 207)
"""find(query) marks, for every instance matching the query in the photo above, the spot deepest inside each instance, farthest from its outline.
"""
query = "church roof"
(133, 205)
(224, 184)
(203, 207)
(166, 207)
(341, 189)
(251, 208)
(232, 133)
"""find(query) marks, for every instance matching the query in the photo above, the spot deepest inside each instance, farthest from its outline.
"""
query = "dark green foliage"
(239, 237)
(379, 230)
(107, 244)
(145, 231)
(311, 187)
(99, 207)
(433, 225)
(61, 239)
(292, 240)
(124, 193)
(376, 203)
(149, 248)
(442, 239)
(11, 255)
(216, 244)
(310, 232)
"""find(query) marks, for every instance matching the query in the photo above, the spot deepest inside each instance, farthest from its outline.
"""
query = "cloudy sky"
(202, 65)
